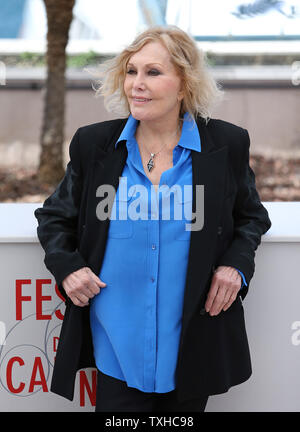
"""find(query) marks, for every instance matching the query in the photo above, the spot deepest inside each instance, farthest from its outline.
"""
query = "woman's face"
(151, 75)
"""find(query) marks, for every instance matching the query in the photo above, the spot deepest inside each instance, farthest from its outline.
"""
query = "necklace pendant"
(150, 164)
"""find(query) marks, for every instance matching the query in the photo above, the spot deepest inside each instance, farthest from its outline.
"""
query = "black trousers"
(114, 395)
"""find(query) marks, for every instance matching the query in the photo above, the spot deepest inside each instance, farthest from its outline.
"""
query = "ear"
(180, 94)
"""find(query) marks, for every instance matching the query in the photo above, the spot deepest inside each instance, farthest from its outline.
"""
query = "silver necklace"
(150, 163)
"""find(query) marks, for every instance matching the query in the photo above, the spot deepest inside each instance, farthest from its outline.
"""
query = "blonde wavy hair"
(201, 91)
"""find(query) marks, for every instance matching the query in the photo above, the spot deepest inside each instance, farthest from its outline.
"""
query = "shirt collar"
(189, 139)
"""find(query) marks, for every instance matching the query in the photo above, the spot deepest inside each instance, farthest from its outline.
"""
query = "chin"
(145, 116)
(141, 116)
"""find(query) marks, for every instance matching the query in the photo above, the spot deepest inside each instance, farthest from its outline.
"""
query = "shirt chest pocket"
(120, 226)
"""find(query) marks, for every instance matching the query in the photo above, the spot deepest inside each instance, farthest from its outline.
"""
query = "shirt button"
(152, 279)
(153, 246)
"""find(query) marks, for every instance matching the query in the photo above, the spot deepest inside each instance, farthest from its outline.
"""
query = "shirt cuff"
(243, 278)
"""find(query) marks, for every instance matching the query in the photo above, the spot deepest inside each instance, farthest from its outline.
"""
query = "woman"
(153, 301)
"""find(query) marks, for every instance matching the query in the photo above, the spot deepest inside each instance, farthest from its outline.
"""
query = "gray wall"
(271, 116)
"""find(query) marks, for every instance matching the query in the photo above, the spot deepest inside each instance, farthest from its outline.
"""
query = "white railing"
(31, 314)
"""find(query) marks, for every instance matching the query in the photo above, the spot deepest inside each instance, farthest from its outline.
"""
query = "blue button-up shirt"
(136, 318)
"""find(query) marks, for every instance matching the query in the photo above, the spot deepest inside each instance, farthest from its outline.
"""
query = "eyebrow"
(148, 64)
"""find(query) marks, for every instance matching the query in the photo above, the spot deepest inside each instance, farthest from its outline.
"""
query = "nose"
(138, 82)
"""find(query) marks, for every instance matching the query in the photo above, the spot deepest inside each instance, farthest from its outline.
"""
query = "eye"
(150, 72)
(154, 72)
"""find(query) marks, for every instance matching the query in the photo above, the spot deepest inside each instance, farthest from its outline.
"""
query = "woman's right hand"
(82, 285)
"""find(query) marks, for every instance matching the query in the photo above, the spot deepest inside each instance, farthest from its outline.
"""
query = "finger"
(220, 308)
(228, 299)
(97, 283)
(211, 294)
(82, 298)
(218, 300)
(228, 296)
(229, 303)
(96, 279)
(94, 288)
(216, 306)
(77, 302)
(91, 288)
(80, 304)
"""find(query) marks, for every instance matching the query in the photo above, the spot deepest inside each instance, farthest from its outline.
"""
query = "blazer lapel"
(106, 170)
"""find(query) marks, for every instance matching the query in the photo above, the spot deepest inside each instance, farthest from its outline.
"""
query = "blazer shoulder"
(99, 132)
(225, 126)
(89, 138)
(225, 133)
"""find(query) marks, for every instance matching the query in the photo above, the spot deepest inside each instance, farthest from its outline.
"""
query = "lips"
(141, 99)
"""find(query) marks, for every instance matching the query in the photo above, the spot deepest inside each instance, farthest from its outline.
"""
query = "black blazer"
(213, 353)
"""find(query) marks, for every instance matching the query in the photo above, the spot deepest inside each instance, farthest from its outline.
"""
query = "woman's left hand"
(225, 285)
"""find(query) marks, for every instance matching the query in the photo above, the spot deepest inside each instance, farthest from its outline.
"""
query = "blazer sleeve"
(251, 221)
(57, 221)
